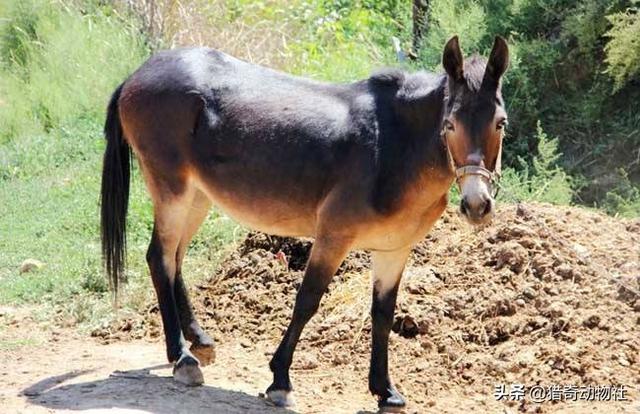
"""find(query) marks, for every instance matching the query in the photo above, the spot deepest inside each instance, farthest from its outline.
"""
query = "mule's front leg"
(387, 271)
(326, 256)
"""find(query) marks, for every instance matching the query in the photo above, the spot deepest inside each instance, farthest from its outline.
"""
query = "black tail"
(114, 196)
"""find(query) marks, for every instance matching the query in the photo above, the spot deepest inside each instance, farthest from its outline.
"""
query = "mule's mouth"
(479, 222)
(478, 215)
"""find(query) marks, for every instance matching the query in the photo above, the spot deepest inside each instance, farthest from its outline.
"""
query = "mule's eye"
(502, 124)
(448, 126)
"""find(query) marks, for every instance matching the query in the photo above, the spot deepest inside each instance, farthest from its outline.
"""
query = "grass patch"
(51, 214)
(61, 59)
(59, 67)
(16, 344)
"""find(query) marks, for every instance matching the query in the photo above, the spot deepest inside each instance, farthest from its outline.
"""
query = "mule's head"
(473, 125)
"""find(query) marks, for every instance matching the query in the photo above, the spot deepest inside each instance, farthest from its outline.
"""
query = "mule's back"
(265, 146)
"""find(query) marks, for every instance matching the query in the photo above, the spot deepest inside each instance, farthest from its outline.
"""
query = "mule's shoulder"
(421, 85)
(388, 77)
(408, 86)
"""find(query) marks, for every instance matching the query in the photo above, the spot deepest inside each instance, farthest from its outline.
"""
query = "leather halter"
(474, 170)
(490, 177)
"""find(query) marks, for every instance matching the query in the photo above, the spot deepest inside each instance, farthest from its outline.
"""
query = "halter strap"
(474, 170)
(492, 177)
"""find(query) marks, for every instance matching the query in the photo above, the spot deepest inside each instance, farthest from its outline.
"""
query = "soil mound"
(545, 295)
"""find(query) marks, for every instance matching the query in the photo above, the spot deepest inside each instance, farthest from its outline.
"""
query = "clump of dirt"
(258, 281)
(545, 295)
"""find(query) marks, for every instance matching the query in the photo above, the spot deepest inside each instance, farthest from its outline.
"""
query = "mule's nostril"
(487, 208)
(464, 206)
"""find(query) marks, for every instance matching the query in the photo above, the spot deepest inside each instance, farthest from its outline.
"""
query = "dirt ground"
(545, 296)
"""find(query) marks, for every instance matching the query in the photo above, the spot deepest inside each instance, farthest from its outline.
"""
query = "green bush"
(545, 181)
(448, 18)
(624, 198)
(345, 40)
(623, 48)
(60, 65)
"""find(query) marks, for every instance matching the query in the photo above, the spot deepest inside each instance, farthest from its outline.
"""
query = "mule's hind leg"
(170, 216)
(326, 256)
(202, 345)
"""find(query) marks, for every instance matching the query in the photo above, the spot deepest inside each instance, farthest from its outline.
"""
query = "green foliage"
(545, 181)
(448, 18)
(54, 87)
(623, 49)
(346, 40)
(59, 64)
(574, 66)
(624, 198)
(19, 33)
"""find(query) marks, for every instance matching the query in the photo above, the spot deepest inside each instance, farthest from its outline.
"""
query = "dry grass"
(249, 34)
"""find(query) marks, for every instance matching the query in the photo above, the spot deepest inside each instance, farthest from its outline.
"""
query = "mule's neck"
(413, 158)
(421, 107)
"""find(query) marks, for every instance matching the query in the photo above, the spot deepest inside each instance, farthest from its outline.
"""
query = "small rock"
(340, 359)
(520, 302)
(503, 307)
(522, 211)
(555, 310)
(592, 321)
(582, 252)
(511, 255)
(307, 361)
(529, 293)
(568, 272)
(551, 290)
(29, 265)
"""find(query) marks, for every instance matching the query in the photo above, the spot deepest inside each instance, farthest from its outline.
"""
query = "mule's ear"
(452, 59)
(498, 60)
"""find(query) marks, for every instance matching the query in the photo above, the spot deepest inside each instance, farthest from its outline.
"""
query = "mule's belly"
(262, 209)
(271, 219)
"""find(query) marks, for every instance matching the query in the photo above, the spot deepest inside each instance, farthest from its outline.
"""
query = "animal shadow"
(141, 391)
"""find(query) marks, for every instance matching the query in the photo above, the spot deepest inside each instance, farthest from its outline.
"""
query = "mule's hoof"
(187, 371)
(281, 398)
(391, 409)
(206, 354)
(394, 403)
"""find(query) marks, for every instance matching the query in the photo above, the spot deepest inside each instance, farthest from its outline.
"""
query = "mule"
(364, 165)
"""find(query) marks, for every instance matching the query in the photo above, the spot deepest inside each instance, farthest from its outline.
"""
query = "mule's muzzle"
(477, 193)
(477, 209)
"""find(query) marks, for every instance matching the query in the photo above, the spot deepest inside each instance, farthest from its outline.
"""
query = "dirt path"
(62, 372)
(68, 373)
(547, 296)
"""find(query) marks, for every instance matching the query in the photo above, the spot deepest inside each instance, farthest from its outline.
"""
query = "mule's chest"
(401, 230)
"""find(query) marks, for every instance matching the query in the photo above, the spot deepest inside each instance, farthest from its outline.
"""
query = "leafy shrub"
(623, 49)
(624, 198)
(545, 181)
(447, 18)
